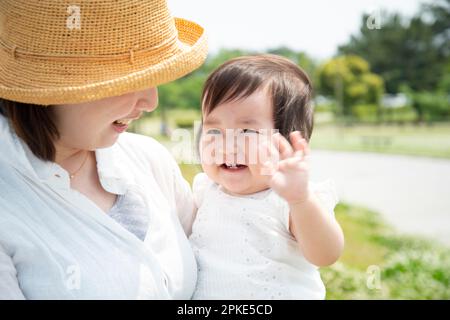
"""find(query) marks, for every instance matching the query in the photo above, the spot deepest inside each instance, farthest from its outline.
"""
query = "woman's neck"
(71, 159)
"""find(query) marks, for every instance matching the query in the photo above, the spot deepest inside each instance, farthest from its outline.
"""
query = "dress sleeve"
(9, 285)
(326, 193)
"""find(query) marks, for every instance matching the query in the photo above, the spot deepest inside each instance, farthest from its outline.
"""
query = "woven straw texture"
(53, 53)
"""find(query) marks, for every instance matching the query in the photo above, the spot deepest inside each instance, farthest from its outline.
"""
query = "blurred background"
(381, 72)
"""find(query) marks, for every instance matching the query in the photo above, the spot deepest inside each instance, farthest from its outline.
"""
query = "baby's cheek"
(211, 171)
(252, 154)
(209, 154)
(260, 177)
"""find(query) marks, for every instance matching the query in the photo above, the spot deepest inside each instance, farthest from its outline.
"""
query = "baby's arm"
(318, 234)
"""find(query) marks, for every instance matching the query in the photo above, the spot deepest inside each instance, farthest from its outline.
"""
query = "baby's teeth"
(123, 121)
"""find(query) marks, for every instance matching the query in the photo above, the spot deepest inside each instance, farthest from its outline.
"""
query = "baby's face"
(233, 136)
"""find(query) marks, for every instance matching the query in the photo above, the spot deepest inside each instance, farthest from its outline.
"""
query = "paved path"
(411, 193)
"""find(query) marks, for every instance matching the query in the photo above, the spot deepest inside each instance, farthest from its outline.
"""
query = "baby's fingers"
(268, 152)
(293, 163)
(283, 146)
(268, 168)
(300, 145)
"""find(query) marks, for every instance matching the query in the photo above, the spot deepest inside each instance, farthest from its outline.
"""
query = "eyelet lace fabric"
(132, 213)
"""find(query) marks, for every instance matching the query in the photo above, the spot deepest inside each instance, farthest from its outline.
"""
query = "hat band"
(17, 52)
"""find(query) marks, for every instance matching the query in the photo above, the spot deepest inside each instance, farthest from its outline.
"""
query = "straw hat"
(65, 51)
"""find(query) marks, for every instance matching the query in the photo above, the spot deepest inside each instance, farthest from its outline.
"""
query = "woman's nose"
(147, 100)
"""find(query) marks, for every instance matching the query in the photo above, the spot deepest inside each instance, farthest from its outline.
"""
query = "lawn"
(423, 140)
(377, 262)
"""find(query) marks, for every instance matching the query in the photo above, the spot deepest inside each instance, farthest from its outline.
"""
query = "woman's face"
(93, 125)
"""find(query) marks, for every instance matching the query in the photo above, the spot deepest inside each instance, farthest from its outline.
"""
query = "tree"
(410, 52)
(349, 80)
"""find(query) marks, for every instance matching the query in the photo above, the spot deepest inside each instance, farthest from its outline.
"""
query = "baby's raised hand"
(289, 175)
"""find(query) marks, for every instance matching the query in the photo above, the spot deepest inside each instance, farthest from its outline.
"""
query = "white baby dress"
(244, 249)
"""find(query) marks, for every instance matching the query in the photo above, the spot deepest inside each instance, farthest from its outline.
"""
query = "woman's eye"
(250, 131)
(213, 131)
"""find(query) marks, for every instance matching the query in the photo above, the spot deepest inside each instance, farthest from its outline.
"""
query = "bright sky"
(316, 26)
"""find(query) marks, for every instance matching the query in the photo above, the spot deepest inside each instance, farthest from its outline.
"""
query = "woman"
(88, 211)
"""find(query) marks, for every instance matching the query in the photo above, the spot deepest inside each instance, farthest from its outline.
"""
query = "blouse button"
(57, 175)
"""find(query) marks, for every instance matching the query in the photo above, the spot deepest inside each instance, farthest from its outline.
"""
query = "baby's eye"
(213, 131)
(251, 131)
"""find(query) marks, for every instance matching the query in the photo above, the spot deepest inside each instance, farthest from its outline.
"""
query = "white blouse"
(244, 248)
(55, 243)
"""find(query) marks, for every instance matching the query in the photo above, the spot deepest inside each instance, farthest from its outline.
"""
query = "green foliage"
(430, 106)
(403, 51)
(410, 267)
(185, 93)
(412, 53)
(186, 120)
(365, 112)
(419, 274)
(349, 80)
(214, 61)
(401, 115)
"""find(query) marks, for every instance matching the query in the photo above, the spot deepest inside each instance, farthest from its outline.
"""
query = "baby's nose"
(234, 154)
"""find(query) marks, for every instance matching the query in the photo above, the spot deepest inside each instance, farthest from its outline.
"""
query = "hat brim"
(48, 82)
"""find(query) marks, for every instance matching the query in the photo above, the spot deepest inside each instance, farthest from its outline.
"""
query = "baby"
(261, 229)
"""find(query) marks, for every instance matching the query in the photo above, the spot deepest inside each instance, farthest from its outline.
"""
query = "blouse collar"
(15, 152)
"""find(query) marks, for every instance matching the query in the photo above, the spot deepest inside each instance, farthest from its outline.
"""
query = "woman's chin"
(107, 141)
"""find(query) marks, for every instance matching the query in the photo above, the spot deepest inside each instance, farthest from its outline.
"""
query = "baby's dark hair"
(288, 85)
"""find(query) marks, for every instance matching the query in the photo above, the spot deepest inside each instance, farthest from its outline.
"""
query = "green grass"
(409, 267)
(424, 140)
(189, 171)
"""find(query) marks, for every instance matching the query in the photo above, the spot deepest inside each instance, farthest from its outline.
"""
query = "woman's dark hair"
(288, 85)
(34, 124)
